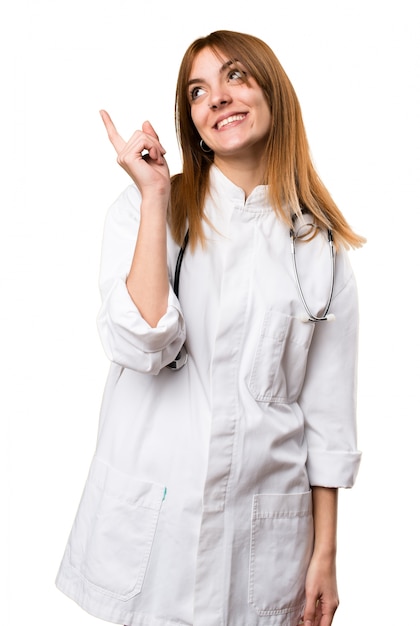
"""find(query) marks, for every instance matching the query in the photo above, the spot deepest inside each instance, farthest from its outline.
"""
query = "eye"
(196, 92)
(237, 75)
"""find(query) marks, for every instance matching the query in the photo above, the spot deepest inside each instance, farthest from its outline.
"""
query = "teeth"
(228, 120)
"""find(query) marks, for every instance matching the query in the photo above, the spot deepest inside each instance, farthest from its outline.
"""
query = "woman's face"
(228, 107)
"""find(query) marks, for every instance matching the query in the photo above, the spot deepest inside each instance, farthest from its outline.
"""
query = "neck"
(245, 173)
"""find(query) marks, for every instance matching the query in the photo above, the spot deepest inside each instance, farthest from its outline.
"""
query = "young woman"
(212, 495)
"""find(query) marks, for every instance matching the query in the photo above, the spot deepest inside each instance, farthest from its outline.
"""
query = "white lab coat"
(197, 508)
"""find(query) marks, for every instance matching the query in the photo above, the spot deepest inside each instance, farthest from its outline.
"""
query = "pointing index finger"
(113, 135)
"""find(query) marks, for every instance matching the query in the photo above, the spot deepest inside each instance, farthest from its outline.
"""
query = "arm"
(329, 394)
(321, 583)
(328, 401)
(147, 281)
(140, 322)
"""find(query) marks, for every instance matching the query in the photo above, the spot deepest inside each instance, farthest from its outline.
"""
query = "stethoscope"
(182, 357)
(311, 317)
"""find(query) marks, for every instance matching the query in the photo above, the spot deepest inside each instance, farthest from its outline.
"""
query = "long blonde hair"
(293, 184)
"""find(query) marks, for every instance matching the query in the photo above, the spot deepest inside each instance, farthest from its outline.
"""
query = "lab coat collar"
(257, 201)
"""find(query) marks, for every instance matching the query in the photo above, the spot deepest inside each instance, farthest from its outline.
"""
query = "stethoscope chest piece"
(180, 360)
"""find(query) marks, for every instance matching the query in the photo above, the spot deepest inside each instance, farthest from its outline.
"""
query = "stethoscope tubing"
(311, 316)
(182, 356)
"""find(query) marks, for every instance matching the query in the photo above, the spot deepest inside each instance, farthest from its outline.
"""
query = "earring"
(205, 147)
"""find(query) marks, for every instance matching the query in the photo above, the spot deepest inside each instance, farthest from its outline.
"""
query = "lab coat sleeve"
(127, 338)
(328, 397)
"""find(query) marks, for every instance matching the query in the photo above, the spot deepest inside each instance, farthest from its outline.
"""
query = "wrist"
(325, 553)
(154, 209)
(158, 193)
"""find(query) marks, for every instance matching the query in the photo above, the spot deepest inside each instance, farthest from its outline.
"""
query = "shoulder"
(126, 207)
(344, 275)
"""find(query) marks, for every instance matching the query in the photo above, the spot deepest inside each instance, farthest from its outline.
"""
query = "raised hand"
(142, 157)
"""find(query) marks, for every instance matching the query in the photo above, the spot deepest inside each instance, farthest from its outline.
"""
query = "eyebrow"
(223, 68)
(227, 64)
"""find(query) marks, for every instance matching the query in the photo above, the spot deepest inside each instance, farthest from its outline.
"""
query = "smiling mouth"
(230, 119)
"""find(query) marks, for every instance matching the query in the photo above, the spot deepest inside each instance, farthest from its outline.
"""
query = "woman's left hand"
(321, 593)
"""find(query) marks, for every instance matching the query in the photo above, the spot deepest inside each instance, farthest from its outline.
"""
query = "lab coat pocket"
(279, 364)
(113, 533)
(281, 547)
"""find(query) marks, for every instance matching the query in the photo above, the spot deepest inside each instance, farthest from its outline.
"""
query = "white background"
(355, 67)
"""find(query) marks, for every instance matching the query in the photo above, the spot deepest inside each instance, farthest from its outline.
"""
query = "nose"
(219, 100)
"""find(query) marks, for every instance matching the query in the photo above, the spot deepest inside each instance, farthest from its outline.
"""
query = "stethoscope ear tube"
(310, 317)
